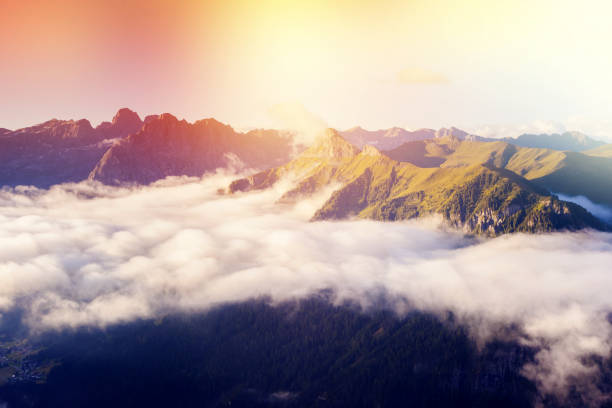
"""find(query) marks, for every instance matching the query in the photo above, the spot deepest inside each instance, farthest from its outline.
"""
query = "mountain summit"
(331, 145)
(125, 122)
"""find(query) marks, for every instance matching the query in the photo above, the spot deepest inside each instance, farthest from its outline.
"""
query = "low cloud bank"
(87, 254)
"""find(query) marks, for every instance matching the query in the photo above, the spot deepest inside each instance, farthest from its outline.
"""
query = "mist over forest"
(92, 257)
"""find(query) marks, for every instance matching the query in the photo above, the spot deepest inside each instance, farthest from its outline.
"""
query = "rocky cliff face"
(166, 146)
(59, 151)
(129, 150)
(124, 123)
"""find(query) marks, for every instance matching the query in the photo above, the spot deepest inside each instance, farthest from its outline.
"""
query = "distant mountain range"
(59, 151)
(387, 139)
(130, 150)
(135, 151)
(570, 141)
(483, 185)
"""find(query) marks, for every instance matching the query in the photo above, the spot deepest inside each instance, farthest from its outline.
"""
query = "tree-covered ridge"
(297, 354)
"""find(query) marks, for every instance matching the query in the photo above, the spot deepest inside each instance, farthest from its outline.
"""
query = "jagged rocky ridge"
(59, 151)
(130, 150)
(166, 146)
(387, 139)
(392, 138)
(481, 197)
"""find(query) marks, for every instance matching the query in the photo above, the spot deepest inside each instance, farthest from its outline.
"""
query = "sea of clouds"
(88, 254)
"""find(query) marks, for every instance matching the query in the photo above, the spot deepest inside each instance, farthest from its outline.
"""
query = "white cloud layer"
(87, 254)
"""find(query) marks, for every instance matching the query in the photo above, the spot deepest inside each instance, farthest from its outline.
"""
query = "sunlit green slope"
(471, 190)
(567, 173)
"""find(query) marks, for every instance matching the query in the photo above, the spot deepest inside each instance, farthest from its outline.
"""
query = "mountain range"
(482, 185)
(387, 139)
(572, 141)
(166, 146)
(59, 151)
(130, 150)
(487, 188)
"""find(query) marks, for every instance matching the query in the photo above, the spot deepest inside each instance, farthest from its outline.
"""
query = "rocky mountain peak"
(126, 117)
(168, 118)
(83, 124)
(451, 132)
(163, 121)
(369, 150)
(330, 144)
(125, 122)
(395, 132)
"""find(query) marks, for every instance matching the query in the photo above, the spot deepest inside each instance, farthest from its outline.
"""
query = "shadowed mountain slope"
(59, 151)
(166, 147)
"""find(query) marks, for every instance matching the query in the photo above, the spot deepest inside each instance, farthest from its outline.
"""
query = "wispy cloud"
(294, 116)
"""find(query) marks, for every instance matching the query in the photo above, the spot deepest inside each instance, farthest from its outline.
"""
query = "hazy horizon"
(475, 65)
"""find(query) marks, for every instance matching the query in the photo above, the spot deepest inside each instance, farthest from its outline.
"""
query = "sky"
(494, 67)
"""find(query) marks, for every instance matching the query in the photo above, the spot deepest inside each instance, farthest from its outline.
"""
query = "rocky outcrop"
(124, 123)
